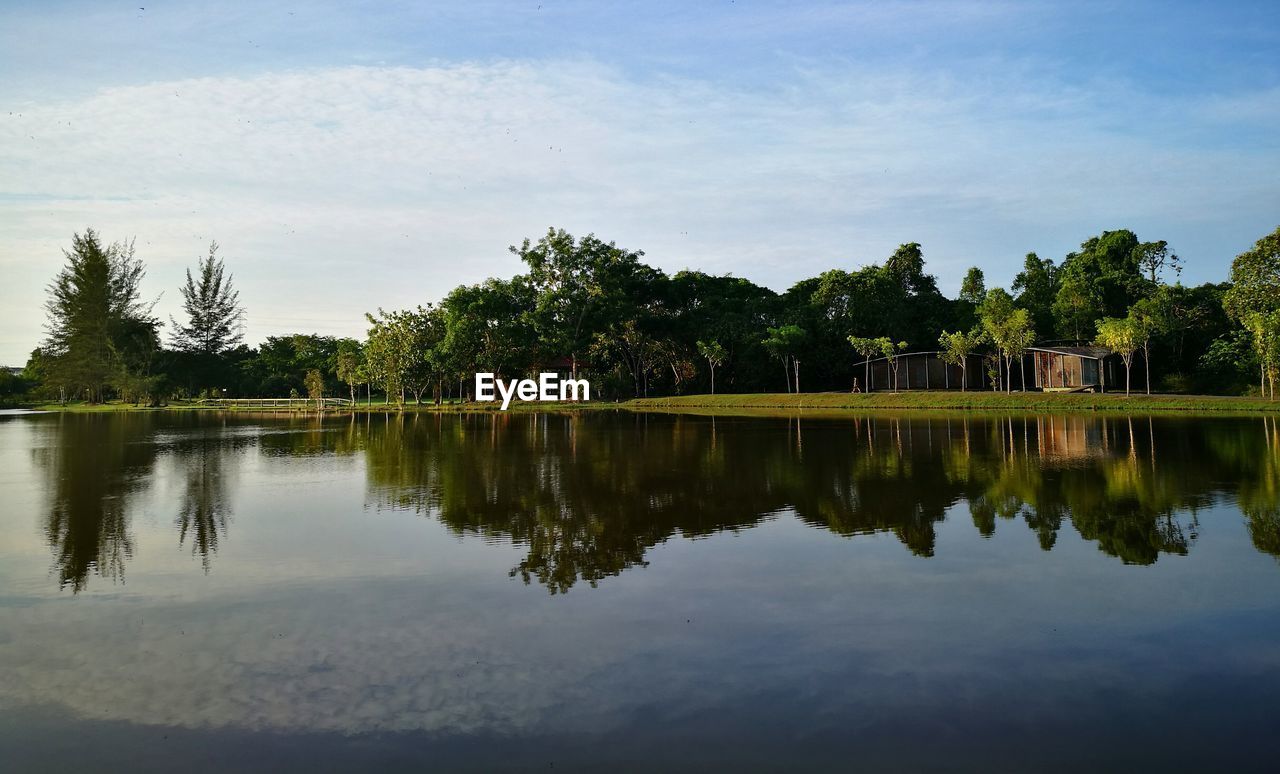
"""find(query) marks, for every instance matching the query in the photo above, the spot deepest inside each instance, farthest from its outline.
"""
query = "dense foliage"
(591, 308)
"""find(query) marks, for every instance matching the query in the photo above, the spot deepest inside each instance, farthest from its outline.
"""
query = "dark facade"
(1082, 369)
(1048, 368)
(920, 371)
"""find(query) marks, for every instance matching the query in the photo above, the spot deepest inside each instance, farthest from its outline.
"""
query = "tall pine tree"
(214, 315)
(100, 332)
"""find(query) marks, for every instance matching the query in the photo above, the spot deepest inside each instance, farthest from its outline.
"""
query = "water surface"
(631, 591)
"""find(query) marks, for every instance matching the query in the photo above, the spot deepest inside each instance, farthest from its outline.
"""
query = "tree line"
(593, 309)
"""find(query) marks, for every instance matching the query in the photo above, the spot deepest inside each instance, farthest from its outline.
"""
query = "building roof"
(933, 352)
(1096, 353)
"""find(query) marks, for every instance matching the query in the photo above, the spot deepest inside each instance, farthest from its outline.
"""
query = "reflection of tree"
(588, 496)
(311, 435)
(882, 477)
(96, 465)
(1101, 474)
(1260, 494)
(205, 511)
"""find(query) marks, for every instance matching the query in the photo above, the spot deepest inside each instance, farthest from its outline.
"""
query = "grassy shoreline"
(964, 401)
(818, 402)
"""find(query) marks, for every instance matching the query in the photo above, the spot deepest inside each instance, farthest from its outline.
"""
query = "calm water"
(614, 591)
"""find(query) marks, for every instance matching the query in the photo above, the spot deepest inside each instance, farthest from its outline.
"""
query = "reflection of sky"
(454, 648)
(320, 614)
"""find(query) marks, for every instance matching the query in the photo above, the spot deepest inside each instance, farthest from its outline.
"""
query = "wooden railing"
(301, 403)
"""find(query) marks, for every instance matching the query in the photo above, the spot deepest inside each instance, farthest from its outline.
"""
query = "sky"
(348, 156)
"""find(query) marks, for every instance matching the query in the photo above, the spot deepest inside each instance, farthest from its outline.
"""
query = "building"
(919, 371)
(1047, 368)
(1081, 369)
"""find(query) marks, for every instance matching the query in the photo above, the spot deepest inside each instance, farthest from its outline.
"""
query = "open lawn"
(962, 401)
(811, 401)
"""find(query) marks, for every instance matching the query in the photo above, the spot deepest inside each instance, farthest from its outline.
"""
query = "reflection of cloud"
(470, 657)
(290, 664)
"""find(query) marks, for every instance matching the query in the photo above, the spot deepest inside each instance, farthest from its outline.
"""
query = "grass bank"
(376, 407)
(817, 402)
(961, 401)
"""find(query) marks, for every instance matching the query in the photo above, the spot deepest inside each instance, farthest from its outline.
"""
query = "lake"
(616, 591)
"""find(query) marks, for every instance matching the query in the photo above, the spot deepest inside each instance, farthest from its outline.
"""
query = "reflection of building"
(1064, 437)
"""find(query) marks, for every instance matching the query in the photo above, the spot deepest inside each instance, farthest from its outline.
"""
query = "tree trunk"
(1022, 372)
(786, 375)
(1127, 366)
(867, 374)
(713, 380)
(795, 365)
(1146, 361)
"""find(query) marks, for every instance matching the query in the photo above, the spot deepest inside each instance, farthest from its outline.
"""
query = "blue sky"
(351, 155)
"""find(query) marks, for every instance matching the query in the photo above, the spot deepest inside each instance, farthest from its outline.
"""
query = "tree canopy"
(587, 305)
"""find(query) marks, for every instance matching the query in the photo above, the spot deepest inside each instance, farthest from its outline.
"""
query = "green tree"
(867, 347)
(1264, 327)
(715, 354)
(281, 363)
(349, 364)
(956, 349)
(1076, 305)
(1020, 333)
(1255, 291)
(1101, 280)
(906, 266)
(637, 350)
(315, 387)
(974, 287)
(578, 285)
(1227, 362)
(784, 343)
(386, 355)
(1154, 257)
(214, 315)
(1122, 336)
(996, 315)
(422, 340)
(1035, 288)
(891, 350)
(1149, 318)
(99, 330)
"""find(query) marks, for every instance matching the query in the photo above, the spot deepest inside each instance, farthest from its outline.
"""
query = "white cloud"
(334, 191)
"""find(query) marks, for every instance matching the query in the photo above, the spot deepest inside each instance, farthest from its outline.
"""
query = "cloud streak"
(336, 190)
